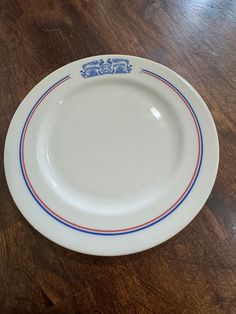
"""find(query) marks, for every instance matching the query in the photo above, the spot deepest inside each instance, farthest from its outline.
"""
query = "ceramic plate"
(111, 155)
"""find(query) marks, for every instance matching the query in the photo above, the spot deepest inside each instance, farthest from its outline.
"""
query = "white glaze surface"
(111, 152)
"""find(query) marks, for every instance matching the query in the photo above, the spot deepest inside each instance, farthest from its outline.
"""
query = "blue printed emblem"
(110, 66)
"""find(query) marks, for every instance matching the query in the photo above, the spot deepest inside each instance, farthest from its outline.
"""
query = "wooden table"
(194, 272)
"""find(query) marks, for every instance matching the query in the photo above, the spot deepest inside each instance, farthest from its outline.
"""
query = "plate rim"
(48, 77)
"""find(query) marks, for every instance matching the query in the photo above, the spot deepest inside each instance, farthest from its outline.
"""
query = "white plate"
(111, 155)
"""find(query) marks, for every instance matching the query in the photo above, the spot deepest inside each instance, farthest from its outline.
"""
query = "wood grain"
(194, 272)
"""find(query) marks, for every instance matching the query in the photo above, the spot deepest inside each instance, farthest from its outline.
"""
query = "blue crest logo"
(110, 66)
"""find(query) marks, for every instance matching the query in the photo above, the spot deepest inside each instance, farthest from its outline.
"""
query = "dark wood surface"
(194, 272)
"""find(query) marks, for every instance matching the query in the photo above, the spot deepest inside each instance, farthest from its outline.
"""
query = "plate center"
(112, 140)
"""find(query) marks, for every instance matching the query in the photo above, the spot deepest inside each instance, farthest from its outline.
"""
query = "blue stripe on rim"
(114, 233)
